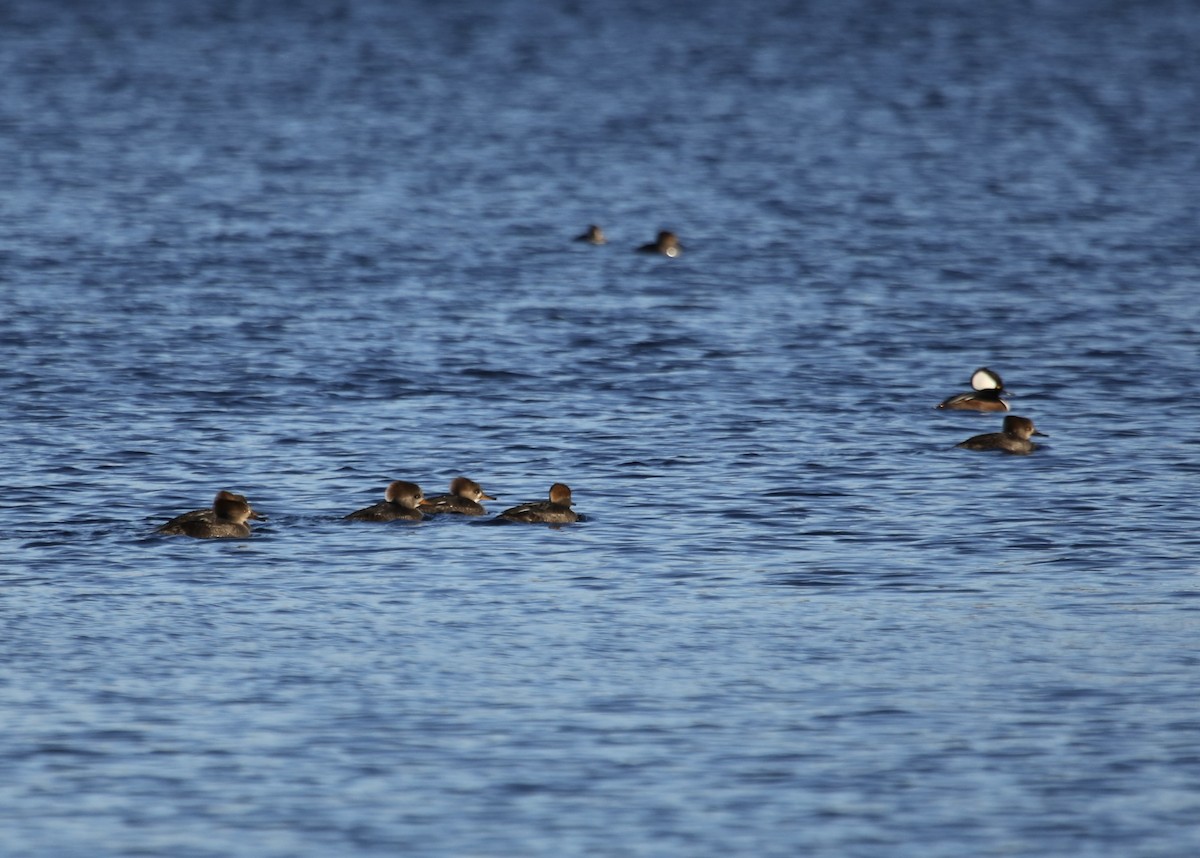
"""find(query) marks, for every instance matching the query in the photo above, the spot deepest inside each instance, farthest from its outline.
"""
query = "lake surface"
(299, 250)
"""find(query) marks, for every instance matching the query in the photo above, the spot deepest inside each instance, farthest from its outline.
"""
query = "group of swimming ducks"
(985, 395)
(987, 388)
(403, 501)
(667, 242)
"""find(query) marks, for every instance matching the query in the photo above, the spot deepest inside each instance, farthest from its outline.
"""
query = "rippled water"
(298, 253)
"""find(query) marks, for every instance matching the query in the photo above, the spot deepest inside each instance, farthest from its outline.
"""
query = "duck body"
(978, 400)
(225, 519)
(1013, 439)
(464, 499)
(400, 503)
(593, 235)
(556, 510)
(667, 244)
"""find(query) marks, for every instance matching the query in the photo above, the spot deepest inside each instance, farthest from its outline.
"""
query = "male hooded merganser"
(594, 235)
(1014, 438)
(985, 397)
(401, 501)
(226, 518)
(667, 244)
(464, 498)
(557, 510)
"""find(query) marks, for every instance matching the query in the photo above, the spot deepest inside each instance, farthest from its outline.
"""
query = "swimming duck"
(667, 244)
(985, 397)
(226, 518)
(593, 235)
(1014, 438)
(464, 498)
(400, 502)
(557, 510)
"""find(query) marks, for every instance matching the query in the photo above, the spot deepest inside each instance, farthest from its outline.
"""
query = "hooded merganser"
(985, 397)
(226, 518)
(667, 244)
(1014, 438)
(464, 498)
(557, 510)
(401, 501)
(594, 235)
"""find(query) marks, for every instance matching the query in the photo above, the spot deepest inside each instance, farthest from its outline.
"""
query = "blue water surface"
(299, 250)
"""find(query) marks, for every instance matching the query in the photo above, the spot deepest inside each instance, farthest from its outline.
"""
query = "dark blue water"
(298, 250)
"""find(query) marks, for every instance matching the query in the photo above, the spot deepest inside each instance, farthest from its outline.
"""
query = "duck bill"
(487, 497)
(1043, 434)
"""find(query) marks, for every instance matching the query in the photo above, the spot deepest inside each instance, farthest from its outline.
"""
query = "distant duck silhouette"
(464, 499)
(594, 235)
(226, 518)
(1014, 438)
(557, 510)
(400, 502)
(988, 389)
(667, 244)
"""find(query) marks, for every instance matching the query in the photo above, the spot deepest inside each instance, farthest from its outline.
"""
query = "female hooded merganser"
(557, 510)
(985, 397)
(226, 518)
(464, 498)
(401, 501)
(1014, 438)
(667, 244)
(594, 235)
